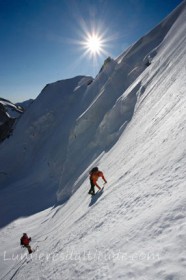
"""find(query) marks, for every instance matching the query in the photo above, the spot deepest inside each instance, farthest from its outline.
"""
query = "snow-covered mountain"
(12, 110)
(9, 114)
(130, 121)
(25, 104)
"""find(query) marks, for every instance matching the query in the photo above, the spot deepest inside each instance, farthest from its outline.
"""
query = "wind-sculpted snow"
(131, 122)
(74, 121)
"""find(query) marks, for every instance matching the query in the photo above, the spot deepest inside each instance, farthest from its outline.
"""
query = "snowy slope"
(130, 121)
(25, 104)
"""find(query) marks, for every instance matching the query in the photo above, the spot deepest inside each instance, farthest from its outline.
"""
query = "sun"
(94, 41)
(93, 44)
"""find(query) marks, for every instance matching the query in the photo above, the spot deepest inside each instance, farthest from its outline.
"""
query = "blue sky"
(41, 40)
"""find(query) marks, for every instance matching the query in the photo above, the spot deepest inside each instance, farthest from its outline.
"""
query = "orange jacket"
(95, 175)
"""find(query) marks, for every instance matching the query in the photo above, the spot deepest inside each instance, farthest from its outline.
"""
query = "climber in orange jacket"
(94, 175)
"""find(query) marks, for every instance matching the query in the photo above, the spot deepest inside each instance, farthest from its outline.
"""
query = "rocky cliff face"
(9, 113)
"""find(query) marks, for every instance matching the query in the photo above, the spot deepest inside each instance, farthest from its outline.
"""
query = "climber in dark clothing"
(24, 241)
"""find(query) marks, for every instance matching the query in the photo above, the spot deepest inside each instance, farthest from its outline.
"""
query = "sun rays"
(94, 44)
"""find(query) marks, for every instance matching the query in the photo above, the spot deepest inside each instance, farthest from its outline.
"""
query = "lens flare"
(94, 44)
